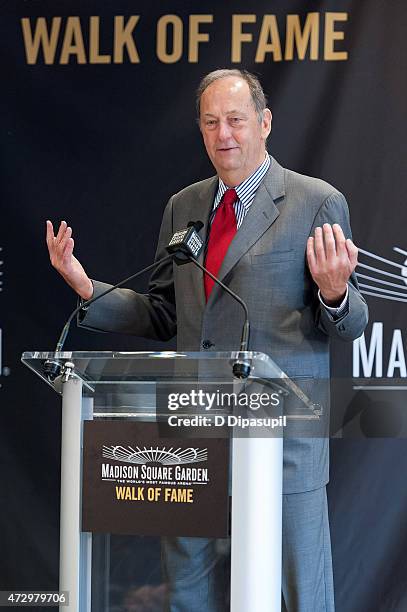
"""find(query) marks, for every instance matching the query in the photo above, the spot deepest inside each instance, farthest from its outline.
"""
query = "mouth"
(226, 149)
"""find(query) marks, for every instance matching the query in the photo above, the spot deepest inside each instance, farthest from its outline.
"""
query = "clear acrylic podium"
(123, 386)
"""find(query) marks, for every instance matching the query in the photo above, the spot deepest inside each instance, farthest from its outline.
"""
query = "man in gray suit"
(282, 242)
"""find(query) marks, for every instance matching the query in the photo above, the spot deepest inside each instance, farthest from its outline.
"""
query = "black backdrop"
(104, 146)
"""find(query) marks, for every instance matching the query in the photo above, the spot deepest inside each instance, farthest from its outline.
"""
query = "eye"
(210, 122)
(235, 120)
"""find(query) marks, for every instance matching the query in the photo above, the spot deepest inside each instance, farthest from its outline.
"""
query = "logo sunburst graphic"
(165, 456)
(376, 279)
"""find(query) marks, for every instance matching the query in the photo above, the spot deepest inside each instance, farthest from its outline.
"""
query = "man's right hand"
(60, 248)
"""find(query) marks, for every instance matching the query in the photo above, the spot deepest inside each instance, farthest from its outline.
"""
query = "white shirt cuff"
(339, 310)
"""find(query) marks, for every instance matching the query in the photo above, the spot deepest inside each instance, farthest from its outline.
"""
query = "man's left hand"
(331, 259)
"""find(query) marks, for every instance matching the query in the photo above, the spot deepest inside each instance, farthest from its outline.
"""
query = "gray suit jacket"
(266, 266)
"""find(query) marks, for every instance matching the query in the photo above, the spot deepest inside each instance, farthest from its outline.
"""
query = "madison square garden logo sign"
(136, 482)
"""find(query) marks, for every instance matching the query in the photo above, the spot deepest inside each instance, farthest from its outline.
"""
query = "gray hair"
(256, 90)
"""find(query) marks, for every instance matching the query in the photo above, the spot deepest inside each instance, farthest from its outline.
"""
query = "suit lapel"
(201, 211)
(262, 214)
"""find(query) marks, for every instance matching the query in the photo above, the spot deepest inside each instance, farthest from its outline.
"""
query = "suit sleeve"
(150, 315)
(352, 325)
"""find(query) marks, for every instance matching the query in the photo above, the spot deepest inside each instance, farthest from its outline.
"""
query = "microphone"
(198, 225)
(186, 243)
(189, 245)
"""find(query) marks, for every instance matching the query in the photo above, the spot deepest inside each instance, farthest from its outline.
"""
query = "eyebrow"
(231, 112)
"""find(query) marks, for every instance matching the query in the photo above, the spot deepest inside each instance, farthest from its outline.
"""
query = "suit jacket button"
(206, 344)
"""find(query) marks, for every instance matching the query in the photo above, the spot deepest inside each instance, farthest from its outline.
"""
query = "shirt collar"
(246, 190)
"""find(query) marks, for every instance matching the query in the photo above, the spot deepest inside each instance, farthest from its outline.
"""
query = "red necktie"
(222, 232)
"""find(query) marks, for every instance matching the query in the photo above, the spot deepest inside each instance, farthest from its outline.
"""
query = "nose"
(225, 131)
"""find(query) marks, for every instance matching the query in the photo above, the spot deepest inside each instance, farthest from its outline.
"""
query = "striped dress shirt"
(245, 192)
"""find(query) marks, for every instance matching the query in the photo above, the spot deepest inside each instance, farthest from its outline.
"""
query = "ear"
(266, 123)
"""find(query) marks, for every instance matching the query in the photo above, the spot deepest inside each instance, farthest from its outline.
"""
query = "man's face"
(233, 136)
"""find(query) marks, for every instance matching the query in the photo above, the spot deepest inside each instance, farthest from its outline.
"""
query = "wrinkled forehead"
(226, 95)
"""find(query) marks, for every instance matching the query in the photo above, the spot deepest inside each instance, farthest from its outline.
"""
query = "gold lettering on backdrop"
(123, 38)
(162, 39)
(45, 37)
(48, 42)
(331, 35)
(73, 42)
(94, 37)
(269, 40)
(238, 36)
(195, 36)
(308, 36)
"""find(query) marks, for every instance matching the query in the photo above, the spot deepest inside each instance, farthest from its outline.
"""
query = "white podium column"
(75, 548)
(257, 466)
